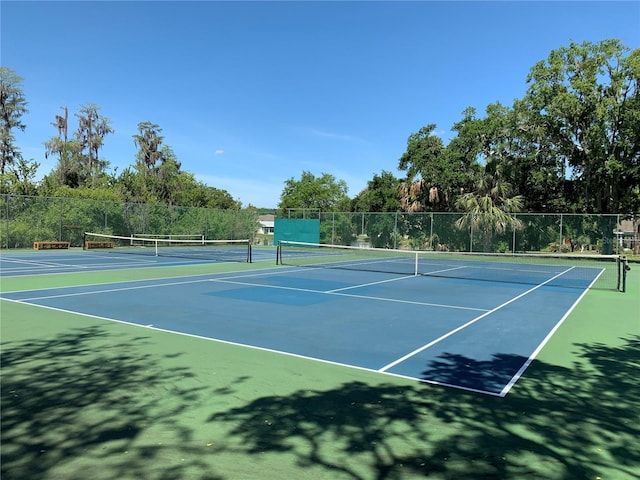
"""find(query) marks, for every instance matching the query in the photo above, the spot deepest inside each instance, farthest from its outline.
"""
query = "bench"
(50, 245)
(98, 244)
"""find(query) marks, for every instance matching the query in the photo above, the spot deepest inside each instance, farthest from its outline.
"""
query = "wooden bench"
(98, 244)
(50, 245)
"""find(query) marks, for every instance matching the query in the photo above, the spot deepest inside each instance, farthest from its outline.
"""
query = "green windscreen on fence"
(296, 230)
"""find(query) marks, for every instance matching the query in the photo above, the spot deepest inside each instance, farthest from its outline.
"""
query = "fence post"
(560, 242)
(513, 241)
(333, 228)
(471, 233)
(61, 219)
(395, 230)
(619, 241)
(7, 197)
(431, 231)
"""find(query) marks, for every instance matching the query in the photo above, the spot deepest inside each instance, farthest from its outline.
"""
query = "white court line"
(364, 297)
(66, 267)
(21, 261)
(101, 267)
(471, 322)
(123, 289)
(546, 339)
(33, 264)
(270, 271)
(393, 280)
(120, 282)
(90, 267)
(117, 260)
(369, 284)
(393, 300)
(28, 265)
(61, 269)
(52, 266)
(139, 262)
(252, 347)
(231, 281)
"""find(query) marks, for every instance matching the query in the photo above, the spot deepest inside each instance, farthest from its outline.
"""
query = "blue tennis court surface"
(48, 262)
(459, 332)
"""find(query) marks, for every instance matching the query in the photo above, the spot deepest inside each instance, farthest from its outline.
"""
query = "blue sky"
(250, 94)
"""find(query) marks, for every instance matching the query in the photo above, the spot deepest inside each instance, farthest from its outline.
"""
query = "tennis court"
(130, 366)
(141, 256)
(449, 325)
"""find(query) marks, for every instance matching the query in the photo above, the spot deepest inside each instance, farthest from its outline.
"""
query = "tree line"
(156, 177)
(570, 144)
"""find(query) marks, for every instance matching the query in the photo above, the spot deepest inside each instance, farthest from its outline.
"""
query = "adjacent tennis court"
(440, 319)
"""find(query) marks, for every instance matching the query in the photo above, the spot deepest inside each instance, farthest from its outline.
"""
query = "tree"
(201, 195)
(586, 99)
(169, 180)
(421, 161)
(79, 162)
(131, 186)
(92, 128)
(22, 177)
(490, 207)
(530, 162)
(149, 159)
(149, 143)
(435, 174)
(517, 150)
(460, 165)
(381, 195)
(157, 176)
(13, 106)
(67, 172)
(323, 193)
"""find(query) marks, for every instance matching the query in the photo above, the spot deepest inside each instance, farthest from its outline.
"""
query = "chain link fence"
(530, 232)
(24, 220)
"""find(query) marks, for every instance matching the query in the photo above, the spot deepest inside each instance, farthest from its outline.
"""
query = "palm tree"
(490, 208)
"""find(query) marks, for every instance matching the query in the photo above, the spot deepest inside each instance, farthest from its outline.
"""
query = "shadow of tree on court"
(88, 394)
(484, 375)
(98, 397)
(557, 423)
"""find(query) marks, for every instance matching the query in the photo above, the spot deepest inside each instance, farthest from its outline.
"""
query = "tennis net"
(564, 270)
(169, 236)
(216, 250)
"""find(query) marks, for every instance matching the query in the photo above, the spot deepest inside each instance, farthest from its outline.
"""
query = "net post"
(156, 245)
(625, 269)
(84, 240)
(415, 268)
(249, 252)
(279, 253)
